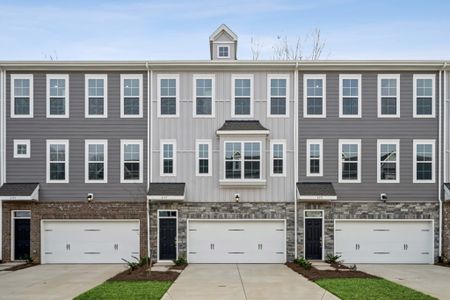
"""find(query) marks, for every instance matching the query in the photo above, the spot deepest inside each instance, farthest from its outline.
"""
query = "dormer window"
(223, 51)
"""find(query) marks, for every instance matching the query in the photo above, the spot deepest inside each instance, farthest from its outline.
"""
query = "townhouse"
(223, 160)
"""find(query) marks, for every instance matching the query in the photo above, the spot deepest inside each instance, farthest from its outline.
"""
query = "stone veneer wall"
(446, 232)
(222, 210)
(71, 210)
(369, 210)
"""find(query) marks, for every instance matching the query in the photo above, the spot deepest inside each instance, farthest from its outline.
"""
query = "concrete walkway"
(243, 282)
(54, 281)
(428, 279)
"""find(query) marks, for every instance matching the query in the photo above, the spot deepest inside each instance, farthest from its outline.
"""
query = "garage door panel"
(384, 241)
(89, 241)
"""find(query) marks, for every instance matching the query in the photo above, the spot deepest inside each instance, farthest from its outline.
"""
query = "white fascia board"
(306, 197)
(165, 198)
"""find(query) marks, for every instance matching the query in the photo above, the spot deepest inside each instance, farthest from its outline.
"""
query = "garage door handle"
(68, 247)
(405, 247)
(211, 246)
(260, 246)
(116, 246)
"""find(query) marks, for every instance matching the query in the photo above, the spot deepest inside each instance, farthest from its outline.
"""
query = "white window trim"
(177, 94)
(433, 107)
(105, 95)
(324, 95)
(141, 161)
(288, 92)
(396, 142)
(242, 179)
(359, 161)
(213, 94)
(242, 76)
(122, 96)
(308, 157)
(105, 160)
(197, 157)
(272, 143)
(433, 165)
(66, 95)
(30, 78)
(341, 95)
(22, 142)
(66, 162)
(161, 158)
(218, 53)
(388, 76)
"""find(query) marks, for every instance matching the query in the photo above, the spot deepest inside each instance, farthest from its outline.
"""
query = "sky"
(179, 29)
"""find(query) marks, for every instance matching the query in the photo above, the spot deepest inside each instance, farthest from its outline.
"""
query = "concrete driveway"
(54, 281)
(428, 279)
(243, 282)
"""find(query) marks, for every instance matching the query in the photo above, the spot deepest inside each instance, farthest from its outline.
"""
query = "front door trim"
(323, 230)
(13, 223)
(157, 230)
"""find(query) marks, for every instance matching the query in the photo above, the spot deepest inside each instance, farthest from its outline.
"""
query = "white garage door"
(222, 241)
(384, 241)
(106, 241)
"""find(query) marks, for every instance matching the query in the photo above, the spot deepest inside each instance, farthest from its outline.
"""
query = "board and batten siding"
(369, 128)
(76, 129)
(185, 130)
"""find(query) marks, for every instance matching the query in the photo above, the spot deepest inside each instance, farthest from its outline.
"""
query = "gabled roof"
(166, 191)
(447, 191)
(221, 28)
(242, 127)
(20, 191)
(316, 191)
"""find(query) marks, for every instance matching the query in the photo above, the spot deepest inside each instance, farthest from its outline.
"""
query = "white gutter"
(148, 159)
(440, 165)
(295, 157)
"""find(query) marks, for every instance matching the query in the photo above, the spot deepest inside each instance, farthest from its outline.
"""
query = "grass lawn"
(130, 290)
(369, 288)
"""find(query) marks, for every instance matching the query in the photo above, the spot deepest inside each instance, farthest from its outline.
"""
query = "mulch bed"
(20, 267)
(180, 267)
(144, 274)
(313, 274)
(443, 264)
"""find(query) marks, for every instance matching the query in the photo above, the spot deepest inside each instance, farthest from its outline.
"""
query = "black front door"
(167, 239)
(21, 239)
(313, 238)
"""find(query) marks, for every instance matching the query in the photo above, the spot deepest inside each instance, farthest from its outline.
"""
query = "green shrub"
(306, 264)
(180, 261)
(332, 259)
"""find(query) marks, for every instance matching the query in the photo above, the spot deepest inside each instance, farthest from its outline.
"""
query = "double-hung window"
(242, 96)
(21, 96)
(314, 96)
(57, 96)
(388, 95)
(203, 157)
(277, 90)
(204, 96)
(96, 102)
(388, 160)
(350, 96)
(424, 96)
(424, 161)
(350, 161)
(242, 160)
(131, 161)
(168, 93)
(278, 158)
(96, 161)
(22, 149)
(57, 161)
(314, 158)
(131, 95)
(168, 158)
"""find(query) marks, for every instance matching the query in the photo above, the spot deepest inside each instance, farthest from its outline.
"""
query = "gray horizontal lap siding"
(76, 129)
(186, 129)
(369, 128)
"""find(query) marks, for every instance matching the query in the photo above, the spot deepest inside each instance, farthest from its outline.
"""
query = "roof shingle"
(18, 189)
(316, 189)
(166, 189)
(236, 125)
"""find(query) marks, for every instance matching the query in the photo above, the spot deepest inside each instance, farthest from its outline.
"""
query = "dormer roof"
(219, 30)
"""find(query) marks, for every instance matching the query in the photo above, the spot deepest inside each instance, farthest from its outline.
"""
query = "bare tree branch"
(256, 48)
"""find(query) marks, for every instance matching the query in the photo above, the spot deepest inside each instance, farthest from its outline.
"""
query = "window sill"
(228, 182)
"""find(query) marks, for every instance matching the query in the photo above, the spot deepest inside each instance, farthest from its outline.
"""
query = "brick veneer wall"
(71, 210)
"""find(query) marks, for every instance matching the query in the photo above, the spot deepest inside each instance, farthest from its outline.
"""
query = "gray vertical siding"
(185, 130)
(369, 128)
(76, 129)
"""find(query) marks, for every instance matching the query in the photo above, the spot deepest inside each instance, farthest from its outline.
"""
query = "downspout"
(440, 164)
(2, 87)
(295, 157)
(148, 159)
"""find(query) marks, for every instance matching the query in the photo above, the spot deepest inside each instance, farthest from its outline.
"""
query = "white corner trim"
(103, 77)
(322, 77)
